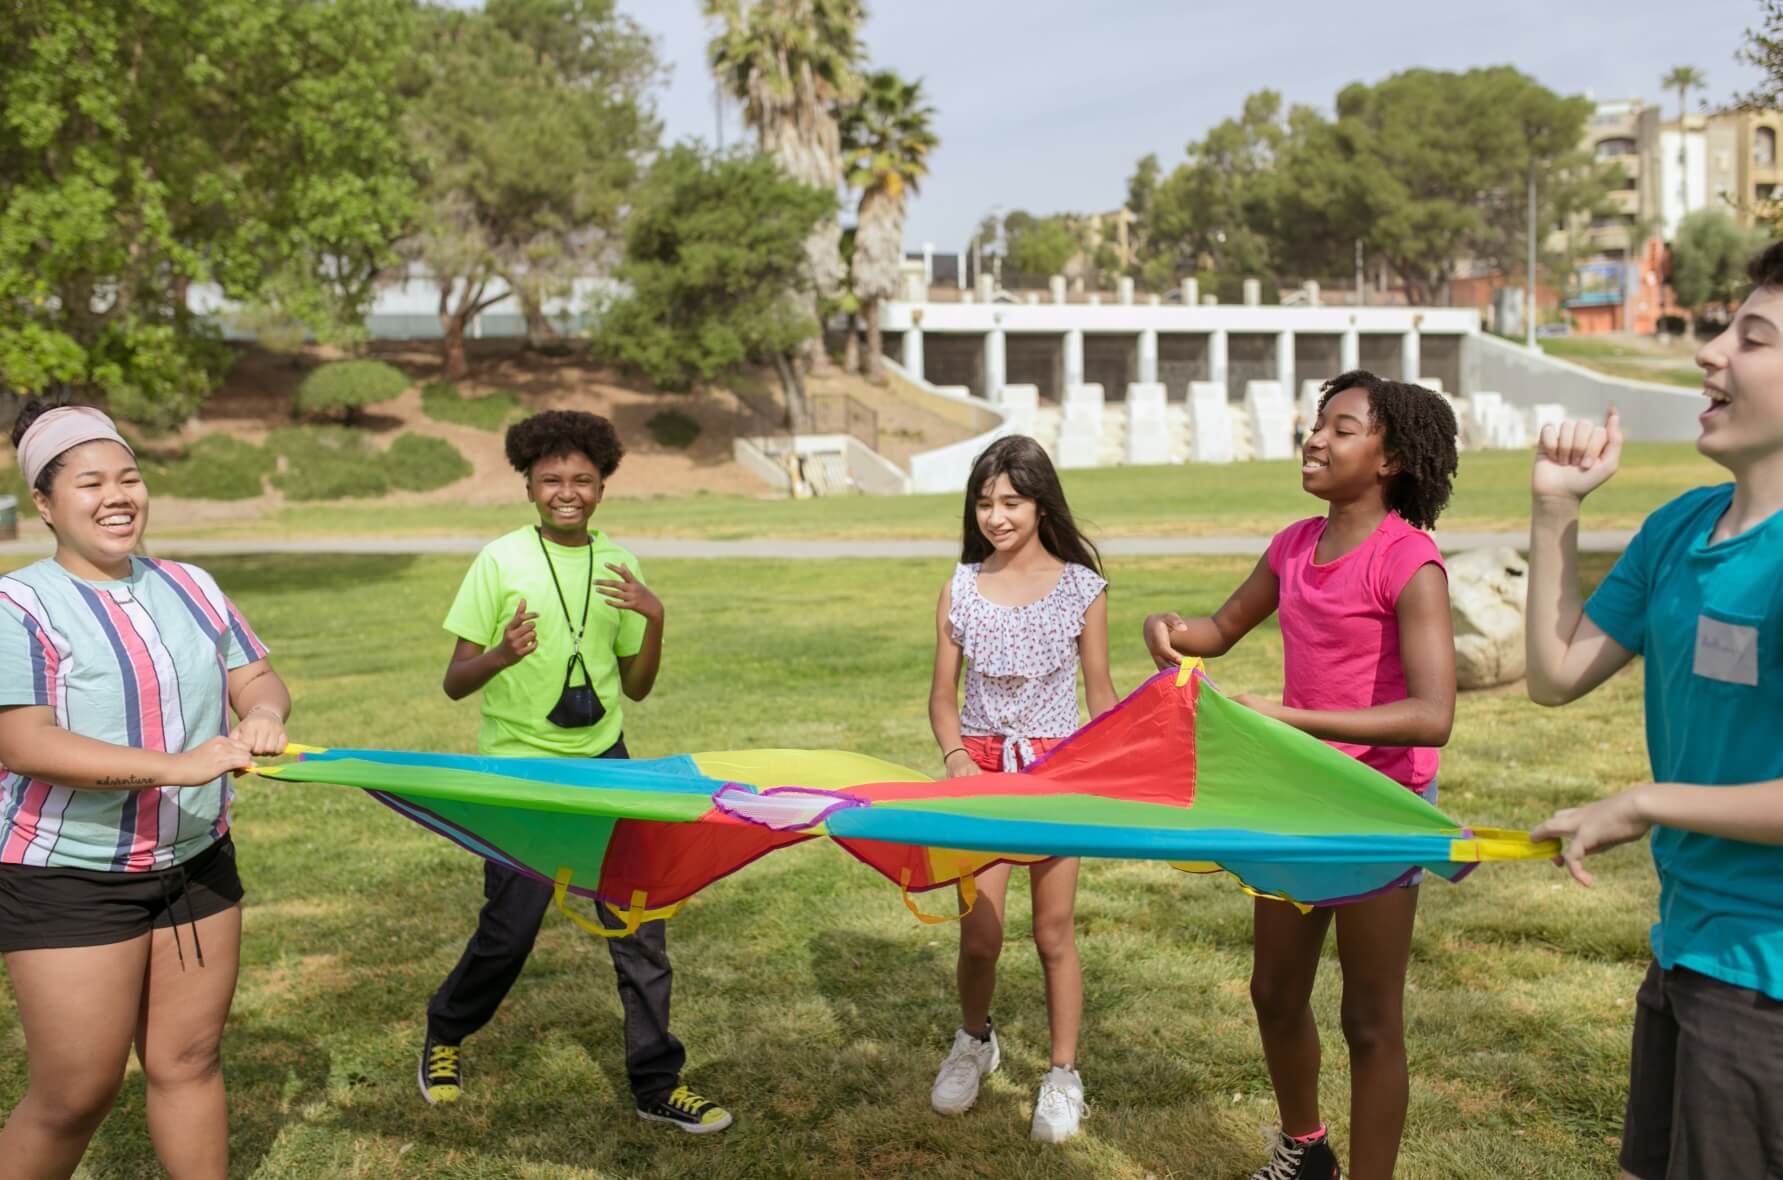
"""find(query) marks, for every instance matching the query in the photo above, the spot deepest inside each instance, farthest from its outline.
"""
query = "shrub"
(326, 463)
(673, 429)
(346, 387)
(216, 467)
(419, 463)
(445, 402)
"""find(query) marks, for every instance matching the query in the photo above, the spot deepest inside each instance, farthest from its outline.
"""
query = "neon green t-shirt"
(517, 700)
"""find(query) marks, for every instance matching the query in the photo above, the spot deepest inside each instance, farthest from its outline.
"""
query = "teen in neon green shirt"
(556, 627)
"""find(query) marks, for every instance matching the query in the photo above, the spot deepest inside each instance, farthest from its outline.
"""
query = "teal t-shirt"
(1709, 620)
(517, 700)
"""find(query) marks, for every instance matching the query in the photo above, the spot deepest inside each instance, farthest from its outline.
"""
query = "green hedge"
(346, 387)
(672, 428)
(445, 402)
(420, 463)
(216, 467)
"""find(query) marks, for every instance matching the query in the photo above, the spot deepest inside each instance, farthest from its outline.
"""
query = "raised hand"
(1158, 629)
(627, 593)
(1575, 458)
(519, 638)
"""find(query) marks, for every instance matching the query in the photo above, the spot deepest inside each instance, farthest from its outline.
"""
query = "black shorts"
(1705, 1090)
(44, 908)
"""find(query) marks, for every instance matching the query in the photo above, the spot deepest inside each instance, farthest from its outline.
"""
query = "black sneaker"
(689, 1111)
(441, 1075)
(1301, 1161)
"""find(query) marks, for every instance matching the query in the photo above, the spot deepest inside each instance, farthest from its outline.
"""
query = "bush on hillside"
(216, 467)
(347, 387)
(326, 463)
(443, 401)
(672, 429)
(420, 463)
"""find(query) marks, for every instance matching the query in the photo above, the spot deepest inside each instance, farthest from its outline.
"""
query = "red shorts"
(987, 749)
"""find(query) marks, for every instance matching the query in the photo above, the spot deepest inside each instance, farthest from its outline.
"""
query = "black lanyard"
(577, 646)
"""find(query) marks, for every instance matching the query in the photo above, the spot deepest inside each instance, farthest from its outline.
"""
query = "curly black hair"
(560, 432)
(1765, 268)
(1419, 430)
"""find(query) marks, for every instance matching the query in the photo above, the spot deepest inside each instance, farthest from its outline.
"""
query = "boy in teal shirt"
(1699, 593)
(556, 626)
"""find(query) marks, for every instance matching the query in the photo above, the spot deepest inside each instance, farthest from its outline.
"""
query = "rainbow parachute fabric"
(1175, 773)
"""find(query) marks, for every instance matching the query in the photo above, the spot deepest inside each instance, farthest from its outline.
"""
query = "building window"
(1609, 149)
(1764, 147)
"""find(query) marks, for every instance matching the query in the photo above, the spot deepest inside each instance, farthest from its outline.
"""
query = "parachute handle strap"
(632, 917)
(1186, 670)
(968, 895)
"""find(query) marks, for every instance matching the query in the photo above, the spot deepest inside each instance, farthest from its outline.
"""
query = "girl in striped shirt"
(119, 914)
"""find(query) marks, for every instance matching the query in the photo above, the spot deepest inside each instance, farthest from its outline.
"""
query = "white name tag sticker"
(1727, 652)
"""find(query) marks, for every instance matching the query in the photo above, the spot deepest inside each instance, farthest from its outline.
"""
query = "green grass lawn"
(1491, 493)
(808, 998)
(1620, 359)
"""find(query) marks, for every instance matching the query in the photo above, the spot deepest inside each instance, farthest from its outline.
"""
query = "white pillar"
(996, 363)
(1284, 361)
(1253, 292)
(1057, 284)
(986, 288)
(1148, 355)
(1216, 357)
(1126, 289)
(928, 265)
(913, 352)
(1073, 358)
(1191, 293)
(1349, 351)
(1408, 356)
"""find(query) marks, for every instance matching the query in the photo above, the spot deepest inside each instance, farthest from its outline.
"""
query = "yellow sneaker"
(441, 1075)
(691, 1112)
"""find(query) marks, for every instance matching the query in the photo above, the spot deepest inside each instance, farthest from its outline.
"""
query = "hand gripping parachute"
(1175, 773)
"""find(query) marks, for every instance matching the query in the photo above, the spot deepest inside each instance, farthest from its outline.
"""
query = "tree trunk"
(792, 384)
(851, 346)
(541, 333)
(875, 344)
(453, 346)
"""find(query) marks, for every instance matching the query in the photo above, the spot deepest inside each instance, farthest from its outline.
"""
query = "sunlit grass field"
(811, 1003)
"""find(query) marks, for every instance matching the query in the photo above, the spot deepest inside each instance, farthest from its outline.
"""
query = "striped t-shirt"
(141, 662)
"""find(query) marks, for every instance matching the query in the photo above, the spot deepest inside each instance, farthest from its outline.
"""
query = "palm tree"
(1683, 79)
(886, 141)
(792, 63)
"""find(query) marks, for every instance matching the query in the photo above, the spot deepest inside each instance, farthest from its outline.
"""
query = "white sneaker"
(970, 1059)
(1059, 1107)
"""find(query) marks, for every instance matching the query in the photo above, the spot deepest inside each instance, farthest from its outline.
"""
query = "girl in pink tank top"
(1368, 666)
(1024, 608)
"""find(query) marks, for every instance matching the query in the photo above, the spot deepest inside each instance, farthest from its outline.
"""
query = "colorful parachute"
(1176, 773)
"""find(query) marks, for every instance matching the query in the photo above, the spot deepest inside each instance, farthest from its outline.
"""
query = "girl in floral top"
(1026, 603)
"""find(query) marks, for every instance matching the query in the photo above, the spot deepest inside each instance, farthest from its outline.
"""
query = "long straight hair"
(1031, 473)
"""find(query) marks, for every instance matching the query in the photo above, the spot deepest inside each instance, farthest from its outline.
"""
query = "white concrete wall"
(1210, 423)
(1148, 423)
(944, 469)
(1650, 412)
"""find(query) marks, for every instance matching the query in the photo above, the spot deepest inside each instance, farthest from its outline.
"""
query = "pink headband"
(60, 430)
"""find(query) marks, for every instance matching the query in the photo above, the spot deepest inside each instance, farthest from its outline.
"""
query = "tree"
(712, 248)
(1216, 211)
(793, 64)
(1041, 245)
(146, 148)
(1427, 167)
(1709, 255)
(528, 128)
(1683, 79)
(886, 141)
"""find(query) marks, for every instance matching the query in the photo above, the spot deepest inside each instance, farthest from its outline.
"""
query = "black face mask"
(578, 707)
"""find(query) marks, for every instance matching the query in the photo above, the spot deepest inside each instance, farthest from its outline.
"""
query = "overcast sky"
(1046, 104)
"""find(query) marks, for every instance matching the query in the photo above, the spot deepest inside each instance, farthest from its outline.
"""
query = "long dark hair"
(1031, 473)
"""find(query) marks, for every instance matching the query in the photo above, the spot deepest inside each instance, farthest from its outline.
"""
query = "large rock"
(1488, 592)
